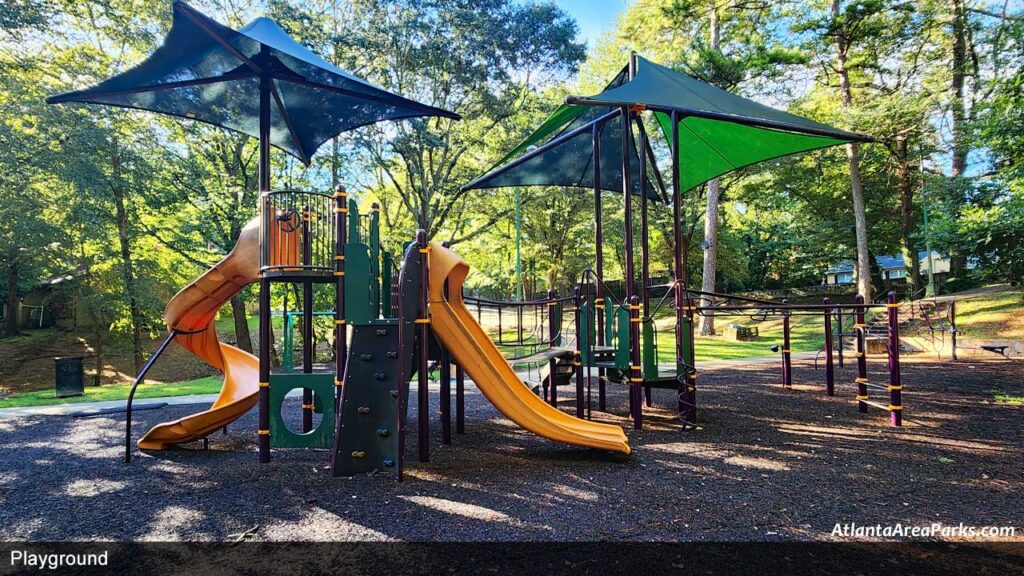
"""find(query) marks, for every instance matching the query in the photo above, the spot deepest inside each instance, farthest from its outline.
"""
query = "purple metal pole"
(263, 432)
(598, 260)
(460, 399)
(645, 264)
(636, 378)
(422, 383)
(340, 331)
(787, 359)
(445, 411)
(952, 327)
(839, 336)
(895, 384)
(307, 322)
(830, 378)
(577, 358)
(862, 361)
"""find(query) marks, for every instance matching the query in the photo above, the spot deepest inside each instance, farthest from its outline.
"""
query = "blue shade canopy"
(208, 72)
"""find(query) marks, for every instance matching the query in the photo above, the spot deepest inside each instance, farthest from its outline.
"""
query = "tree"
(482, 59)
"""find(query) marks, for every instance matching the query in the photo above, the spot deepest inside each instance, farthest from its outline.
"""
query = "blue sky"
(593, 16)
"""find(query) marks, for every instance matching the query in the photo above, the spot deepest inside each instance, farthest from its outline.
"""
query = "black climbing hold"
(366, 357)
(382, 332)
(392, 354)
(383, 432)
(389, 463)
(380, 376)
(363, 409)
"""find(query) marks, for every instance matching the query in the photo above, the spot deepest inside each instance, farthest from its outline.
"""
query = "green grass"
(1008, 399)
(999, 315)
(806, 335)
(208, 385)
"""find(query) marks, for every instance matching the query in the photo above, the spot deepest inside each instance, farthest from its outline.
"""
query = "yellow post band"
(601, 306)
(577, 364)
(858, 325)
(424, 250)
(338, 383)
(636, 320)
(635, 367)
(263, 432)
(341, 210)
(891, 388)
(308, 406)
(264, 384)
(859, 397)
(339, 257)
(892, 407)
(786, 350)
(636, 380)
(422, 321)
(865, 380)
(339, 273)
(339, 322)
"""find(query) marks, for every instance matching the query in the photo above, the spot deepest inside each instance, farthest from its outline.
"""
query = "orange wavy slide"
(193, 311)
(455, 326)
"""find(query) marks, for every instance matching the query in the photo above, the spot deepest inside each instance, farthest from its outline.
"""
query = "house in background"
(47, 304)
(894, 269)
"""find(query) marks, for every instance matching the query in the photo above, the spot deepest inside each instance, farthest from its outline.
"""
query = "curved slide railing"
(455, 326)
(192, 314)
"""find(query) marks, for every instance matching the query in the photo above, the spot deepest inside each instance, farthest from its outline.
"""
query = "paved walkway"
(77, 407)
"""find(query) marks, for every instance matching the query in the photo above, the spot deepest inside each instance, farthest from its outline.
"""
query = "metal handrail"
(131, 393)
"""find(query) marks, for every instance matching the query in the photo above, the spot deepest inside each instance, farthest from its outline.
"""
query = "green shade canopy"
(561, 153)
(719, 132)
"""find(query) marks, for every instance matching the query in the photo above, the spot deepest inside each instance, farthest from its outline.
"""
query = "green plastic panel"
(586, 335)
(367, 435)
(386, 272)
(687, 328)
(556, 321)
(375, 277)
(353, 223)
(649, 352)
(609, 322)
(322, 385)
(622, 338)
(357, 284)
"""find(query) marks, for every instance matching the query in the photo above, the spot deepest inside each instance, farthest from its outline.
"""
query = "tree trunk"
(11, 323)
(707, 321)
(127, 265)
(863, 265)
(959, 120)
(907, 220)
(101, 350)
(242, 338)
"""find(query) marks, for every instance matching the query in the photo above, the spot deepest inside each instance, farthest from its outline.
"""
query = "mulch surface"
(766, 464)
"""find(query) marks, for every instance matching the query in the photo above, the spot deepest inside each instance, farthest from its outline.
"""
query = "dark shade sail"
(560, 153)
(719, 131)
(208, 72)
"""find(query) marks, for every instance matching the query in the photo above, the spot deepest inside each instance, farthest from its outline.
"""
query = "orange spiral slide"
(193, 312)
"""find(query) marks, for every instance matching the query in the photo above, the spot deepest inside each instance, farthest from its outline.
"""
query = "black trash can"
(70, 376)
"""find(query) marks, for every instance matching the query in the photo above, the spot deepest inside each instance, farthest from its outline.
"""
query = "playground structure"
(390, 324)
